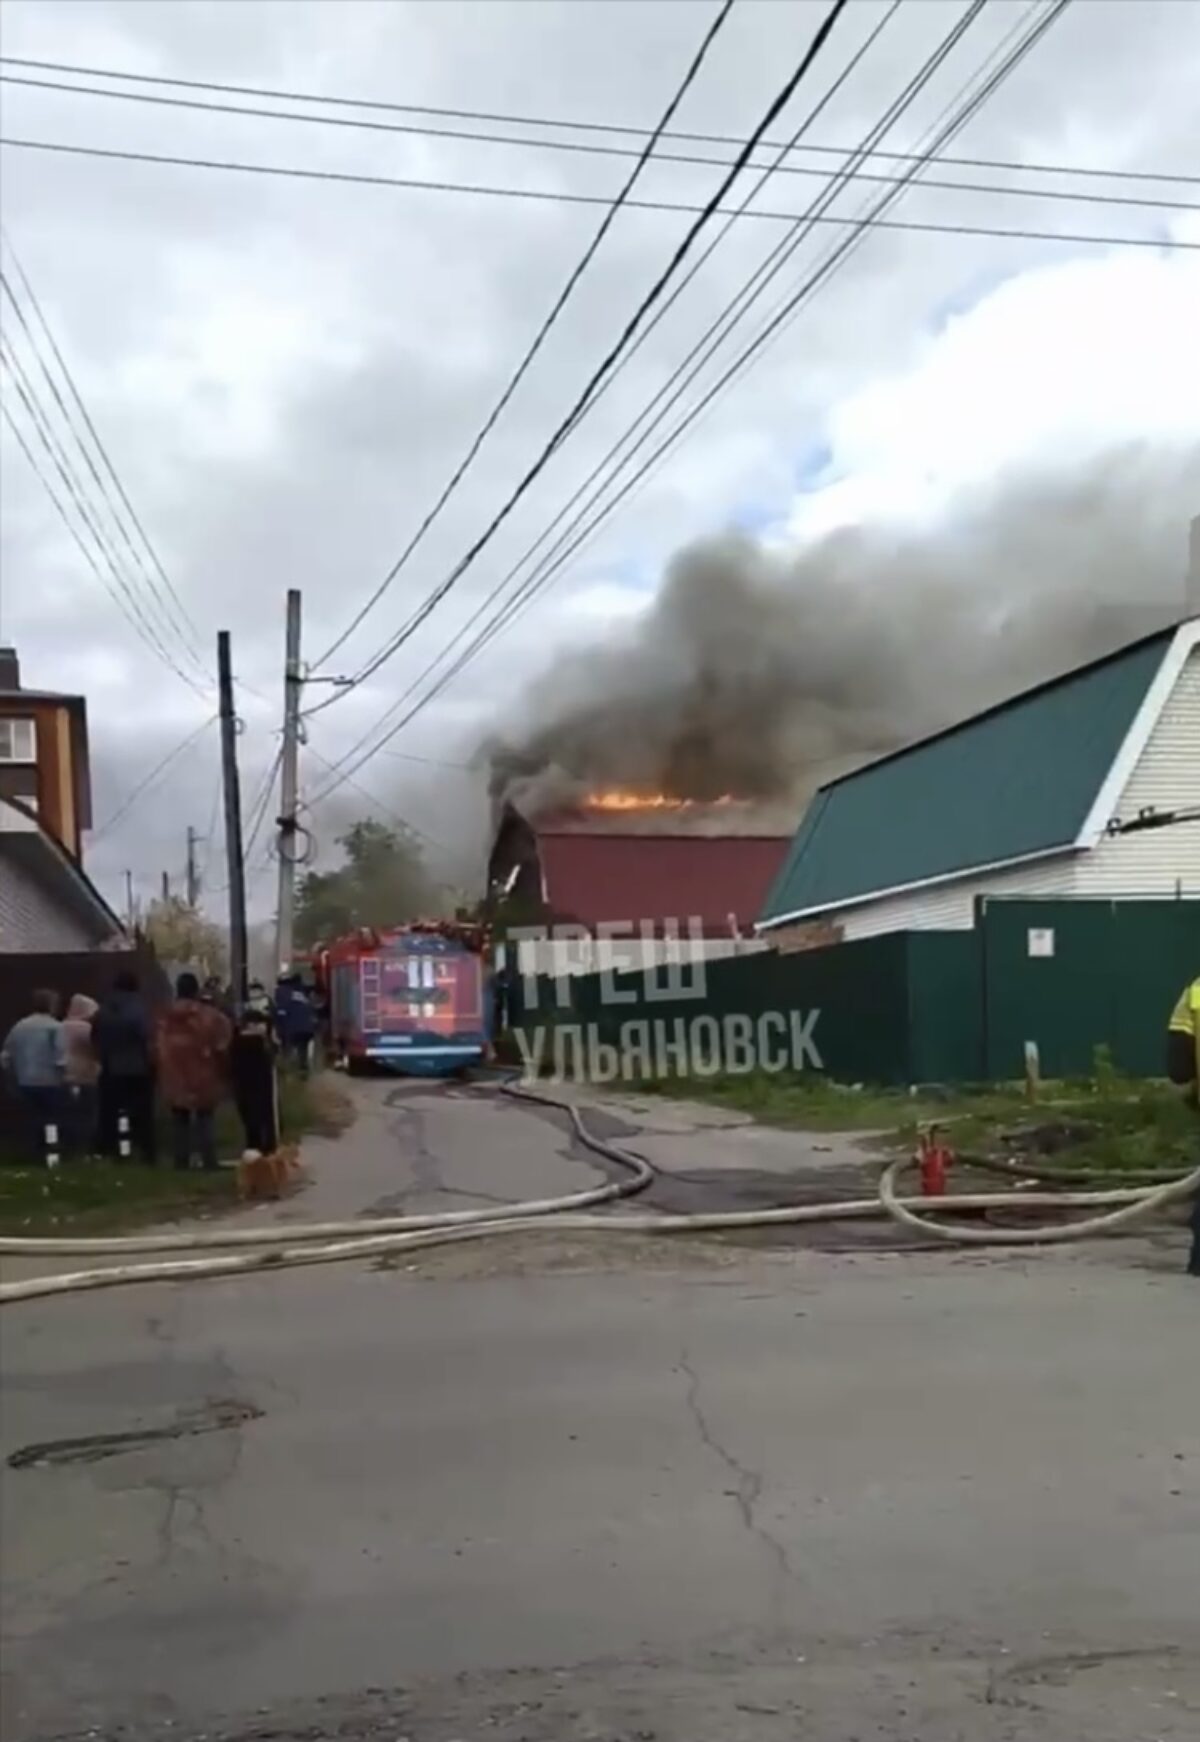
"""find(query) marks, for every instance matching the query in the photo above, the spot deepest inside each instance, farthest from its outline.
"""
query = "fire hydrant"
(935, 1159)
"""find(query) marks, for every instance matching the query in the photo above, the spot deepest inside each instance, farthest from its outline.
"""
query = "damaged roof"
(697, 863)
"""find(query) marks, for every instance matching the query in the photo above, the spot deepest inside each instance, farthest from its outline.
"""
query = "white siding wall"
(951, 906)
(1167, 776)
(1162, 862)
(31, 922)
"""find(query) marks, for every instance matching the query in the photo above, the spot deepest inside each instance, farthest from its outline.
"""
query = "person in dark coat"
(255, 1089)
(123, 1043)
(295, 1021)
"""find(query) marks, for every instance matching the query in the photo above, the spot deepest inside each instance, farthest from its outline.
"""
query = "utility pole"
(233, 823)
(166, 886)
(130, 914)
(193, 881)
(288, 783)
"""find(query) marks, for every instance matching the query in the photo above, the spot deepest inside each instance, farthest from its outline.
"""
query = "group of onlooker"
(90, 1083)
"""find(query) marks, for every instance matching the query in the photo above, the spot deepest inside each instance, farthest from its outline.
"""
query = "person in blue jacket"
(295, 1020)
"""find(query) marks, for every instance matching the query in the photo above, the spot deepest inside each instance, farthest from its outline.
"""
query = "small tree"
(183, 937)
(383, 882)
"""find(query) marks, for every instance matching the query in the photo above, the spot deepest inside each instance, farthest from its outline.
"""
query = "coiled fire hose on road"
(336, 1242)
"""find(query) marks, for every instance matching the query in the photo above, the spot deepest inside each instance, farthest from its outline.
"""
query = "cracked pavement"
(692, 1494)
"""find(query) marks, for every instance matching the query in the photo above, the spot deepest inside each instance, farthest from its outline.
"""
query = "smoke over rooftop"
(759, 673)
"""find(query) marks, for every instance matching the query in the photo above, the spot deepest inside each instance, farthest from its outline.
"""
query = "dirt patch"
(330, 1105)
(91, 1448)
(754, 1694)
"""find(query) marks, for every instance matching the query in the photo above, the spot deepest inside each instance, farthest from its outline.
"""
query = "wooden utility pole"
(193, 881)
(130, 910)
(285, 939)
(233, 823)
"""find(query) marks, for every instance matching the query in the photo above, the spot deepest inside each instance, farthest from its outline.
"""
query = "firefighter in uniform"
(1183, 1067)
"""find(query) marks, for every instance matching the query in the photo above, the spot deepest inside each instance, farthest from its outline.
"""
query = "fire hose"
(338, 1241)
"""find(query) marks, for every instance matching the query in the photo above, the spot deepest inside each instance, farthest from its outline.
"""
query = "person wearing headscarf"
(81, 1076)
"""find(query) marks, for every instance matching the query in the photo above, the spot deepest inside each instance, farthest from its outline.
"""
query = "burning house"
(619, 875)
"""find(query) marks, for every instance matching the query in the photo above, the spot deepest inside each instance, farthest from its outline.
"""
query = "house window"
(18, 741)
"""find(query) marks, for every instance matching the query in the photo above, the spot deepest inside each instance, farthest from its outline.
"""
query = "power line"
(262, 802)
(561, 124)
(782, 316)
(877, 132)
(158, 769)
(542, 333)
(559, 196)
(788, 310)
(210, 832)
(771, 265)
(690, 159)
(774, 262)
(581, 405)
(124, 597)
(373, 798)
(181, 621)
(432, 761)
(664, 307)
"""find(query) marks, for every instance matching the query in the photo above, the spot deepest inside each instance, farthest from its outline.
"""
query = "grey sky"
(285, 373)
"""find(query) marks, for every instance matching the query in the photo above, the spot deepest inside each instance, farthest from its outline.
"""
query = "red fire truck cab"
(414, 998)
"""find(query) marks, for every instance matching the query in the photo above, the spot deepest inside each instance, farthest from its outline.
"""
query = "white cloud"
(1052, 367)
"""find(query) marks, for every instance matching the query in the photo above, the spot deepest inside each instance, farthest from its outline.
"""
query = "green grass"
(1129, 1125)
(814, 1103)
(101, 1197)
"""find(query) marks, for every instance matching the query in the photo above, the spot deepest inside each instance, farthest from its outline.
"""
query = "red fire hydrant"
(935, 1159)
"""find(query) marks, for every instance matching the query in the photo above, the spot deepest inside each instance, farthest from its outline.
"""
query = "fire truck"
(415, 998)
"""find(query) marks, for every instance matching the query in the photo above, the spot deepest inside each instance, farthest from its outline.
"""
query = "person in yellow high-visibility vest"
(1183, 1067)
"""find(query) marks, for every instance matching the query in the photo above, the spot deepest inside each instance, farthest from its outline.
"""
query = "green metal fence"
(1077, 975)
(1071, 975)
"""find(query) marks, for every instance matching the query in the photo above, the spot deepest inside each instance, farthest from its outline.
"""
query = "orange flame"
(617, 800)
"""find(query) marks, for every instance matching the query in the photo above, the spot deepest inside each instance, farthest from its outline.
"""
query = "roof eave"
(1094, 827)
(844, 903)
(1158, 691)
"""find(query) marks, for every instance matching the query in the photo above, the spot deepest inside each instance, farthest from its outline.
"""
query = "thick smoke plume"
(761, 673)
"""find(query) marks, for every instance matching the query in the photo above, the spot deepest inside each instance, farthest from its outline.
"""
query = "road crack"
(749, 1483)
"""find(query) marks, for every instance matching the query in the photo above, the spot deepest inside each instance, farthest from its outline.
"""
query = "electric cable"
(159, 769)
(878, 131)
(163, 589)
(788, 309)
(579, 409)
(539, 338)
(125, 596)
(686, 159)
(261, 803)
(731, 315)
(559, 123)
(564, 197)
(664, 307)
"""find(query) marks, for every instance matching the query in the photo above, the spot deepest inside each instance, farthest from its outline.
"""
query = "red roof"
(598, 878)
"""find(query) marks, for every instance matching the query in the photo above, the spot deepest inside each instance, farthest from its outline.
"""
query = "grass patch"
(1123, 1125)
(802, 1101)
(100, 1197)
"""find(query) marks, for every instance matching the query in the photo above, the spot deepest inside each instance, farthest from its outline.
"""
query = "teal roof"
(1018, 779)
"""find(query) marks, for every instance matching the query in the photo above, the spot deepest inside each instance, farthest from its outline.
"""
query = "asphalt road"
(574, 1490)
